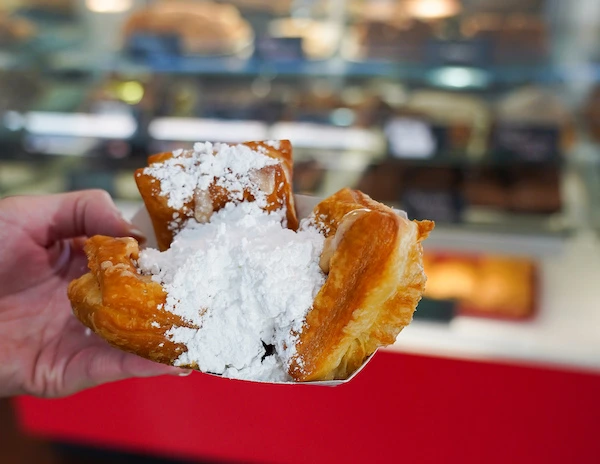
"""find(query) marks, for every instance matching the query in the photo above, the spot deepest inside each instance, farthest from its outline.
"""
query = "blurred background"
(483, 115)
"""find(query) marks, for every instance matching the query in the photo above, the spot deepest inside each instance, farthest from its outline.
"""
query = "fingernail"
(185, 372)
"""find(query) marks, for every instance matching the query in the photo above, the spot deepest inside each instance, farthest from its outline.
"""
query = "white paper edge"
(304, 206)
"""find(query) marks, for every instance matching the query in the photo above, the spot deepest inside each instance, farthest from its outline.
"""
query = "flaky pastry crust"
(122, 306)
(374, 284)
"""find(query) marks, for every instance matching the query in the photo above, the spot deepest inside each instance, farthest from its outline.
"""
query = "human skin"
(44, 350)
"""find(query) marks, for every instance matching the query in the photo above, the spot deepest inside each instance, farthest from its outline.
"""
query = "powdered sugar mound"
(247, 282)
(189, 171)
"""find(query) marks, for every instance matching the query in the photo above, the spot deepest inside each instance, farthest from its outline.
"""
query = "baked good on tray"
(15, 30)
(239, 286)
(203, 28)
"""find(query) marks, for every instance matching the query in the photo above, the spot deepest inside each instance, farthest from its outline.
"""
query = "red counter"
(399, 409)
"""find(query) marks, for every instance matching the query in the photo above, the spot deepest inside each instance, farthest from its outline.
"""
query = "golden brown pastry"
(276, 180)
(122, 306)
(371, 260)
(375, 280)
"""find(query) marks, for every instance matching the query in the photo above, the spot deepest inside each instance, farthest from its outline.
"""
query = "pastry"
(204, 28)
(14, 30)
(536, 190)
(514, 38)
(389, 39)
(505, 286)
(372, 256)
(167, 218)
(242, 289)
(319, 38)
(488, 284)
(488, 187)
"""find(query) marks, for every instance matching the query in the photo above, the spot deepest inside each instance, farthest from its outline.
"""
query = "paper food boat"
(304, 206)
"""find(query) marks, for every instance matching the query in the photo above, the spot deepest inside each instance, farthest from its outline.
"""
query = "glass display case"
(479, 114)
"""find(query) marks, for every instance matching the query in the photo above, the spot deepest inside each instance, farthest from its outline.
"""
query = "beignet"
(239, 287)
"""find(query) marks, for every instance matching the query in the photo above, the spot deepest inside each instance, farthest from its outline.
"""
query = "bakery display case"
(479, 114)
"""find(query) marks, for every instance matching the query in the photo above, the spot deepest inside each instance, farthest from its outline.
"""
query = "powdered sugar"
(188, 172)
(273, 144)
(238, 274)
(246, 281)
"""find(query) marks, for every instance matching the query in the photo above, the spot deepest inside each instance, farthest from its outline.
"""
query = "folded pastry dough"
(274, 180)
(372, 259)
(373, 256)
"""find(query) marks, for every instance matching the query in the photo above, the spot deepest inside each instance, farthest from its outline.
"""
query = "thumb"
(51, 218)
(102, 364)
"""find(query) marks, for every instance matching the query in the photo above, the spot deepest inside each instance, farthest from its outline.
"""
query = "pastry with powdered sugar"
(238, 286)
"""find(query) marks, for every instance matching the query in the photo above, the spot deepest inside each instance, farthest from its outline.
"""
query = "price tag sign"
(438, 205)
(279, 48)
(534, 144)
(436, 310)
(410, 138)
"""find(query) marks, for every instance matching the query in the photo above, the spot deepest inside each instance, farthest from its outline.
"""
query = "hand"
(44, 349)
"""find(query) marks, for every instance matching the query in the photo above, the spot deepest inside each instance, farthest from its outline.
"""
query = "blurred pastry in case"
(505, 286)
(514, 38)
(488, 188)
(488, 285)
(319, 38)
(403, 39)
(15, 30)
(536, 190)
(203, 28)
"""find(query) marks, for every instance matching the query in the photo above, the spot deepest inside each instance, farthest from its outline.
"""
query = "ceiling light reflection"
(459, 77)
(433, 9)
(109, 6)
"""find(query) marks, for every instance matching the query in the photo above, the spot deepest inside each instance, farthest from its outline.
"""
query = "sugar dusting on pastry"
(181, 176)
(242, 277)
